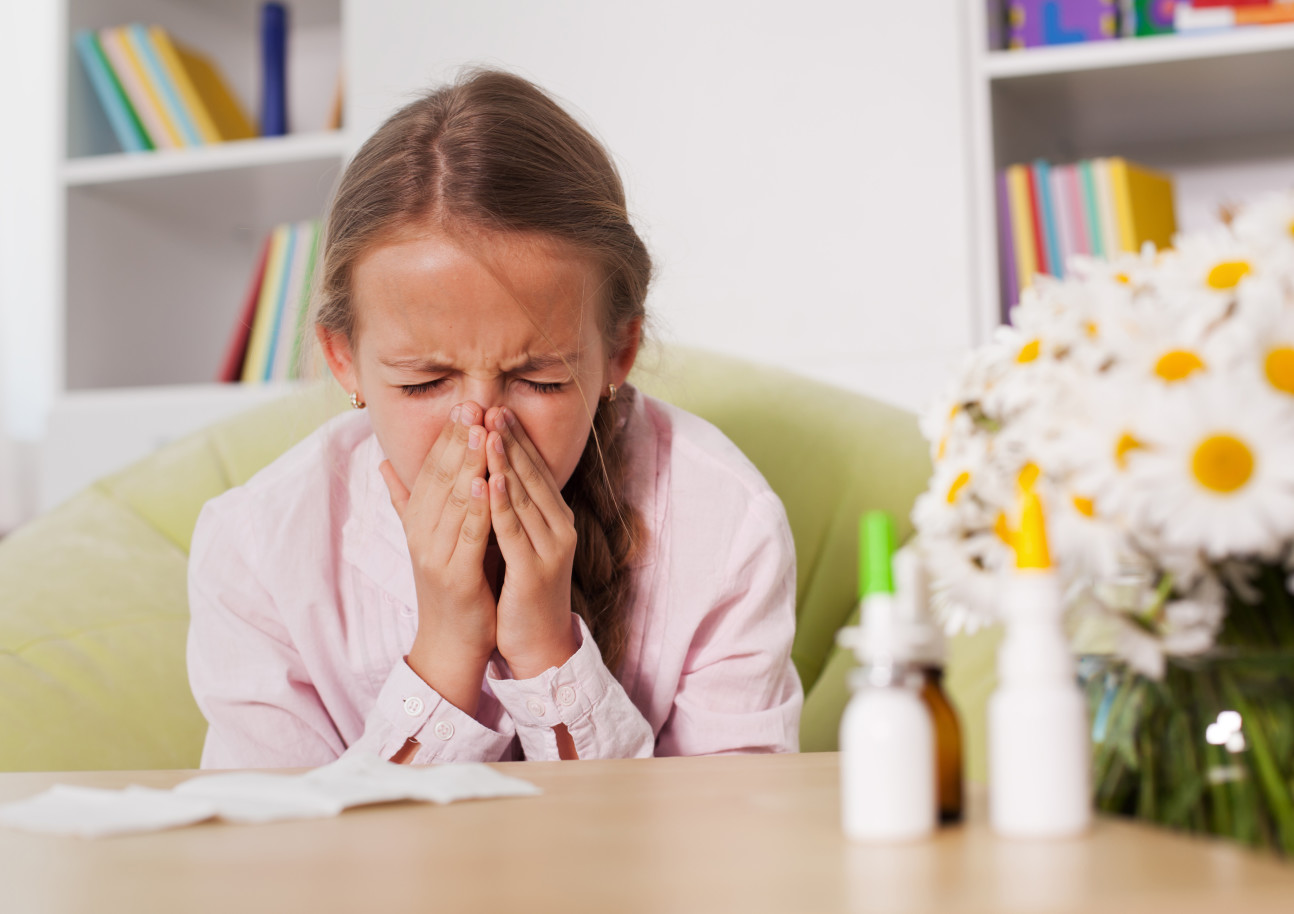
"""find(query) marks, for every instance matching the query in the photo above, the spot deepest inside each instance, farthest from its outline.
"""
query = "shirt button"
(535, 707)
(443, 730)
(566, 696)
(413, 706)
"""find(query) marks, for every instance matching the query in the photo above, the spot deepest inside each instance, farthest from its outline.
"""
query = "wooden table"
(750, 834)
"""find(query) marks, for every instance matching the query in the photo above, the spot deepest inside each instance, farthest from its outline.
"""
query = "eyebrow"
(437, 365)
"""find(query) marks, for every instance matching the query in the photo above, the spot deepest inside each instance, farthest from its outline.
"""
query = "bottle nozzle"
(875, 554)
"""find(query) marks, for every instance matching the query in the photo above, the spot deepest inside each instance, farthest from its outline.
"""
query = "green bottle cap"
(875, 554)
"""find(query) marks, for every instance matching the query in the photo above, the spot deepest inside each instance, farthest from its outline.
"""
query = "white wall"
(798, 170)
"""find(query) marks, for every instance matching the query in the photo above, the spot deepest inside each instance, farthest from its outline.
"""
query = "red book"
(1039, 240)
(231, 366)
(1201, 4)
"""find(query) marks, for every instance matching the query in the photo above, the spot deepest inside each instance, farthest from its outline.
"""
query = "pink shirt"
(302, 609)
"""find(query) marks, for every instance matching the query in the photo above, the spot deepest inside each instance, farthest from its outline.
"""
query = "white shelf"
(110, 169)
(1136, 52)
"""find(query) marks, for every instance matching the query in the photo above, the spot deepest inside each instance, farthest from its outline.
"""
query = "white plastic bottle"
(887, 751)
(1039, 751)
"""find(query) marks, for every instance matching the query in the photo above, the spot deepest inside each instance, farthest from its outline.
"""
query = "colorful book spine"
(167, 94)
(231, 366)
(1035, 220)
(1067, 178)
(1047, 218)
(1091, 212)
(231, 121)
(1060, 217)
(189, 99)
(1017, 177)
(142, 98)
(274, 107)
(125, 123)
(1115, 242)
(303, 308)
(1152, 17)
(1143, 202)
(286, 342)
(280, 304)
(258, 346)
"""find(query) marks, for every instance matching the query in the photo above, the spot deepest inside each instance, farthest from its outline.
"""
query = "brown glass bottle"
(948, 745)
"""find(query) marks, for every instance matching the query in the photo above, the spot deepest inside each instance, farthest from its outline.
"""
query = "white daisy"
(1217, 470)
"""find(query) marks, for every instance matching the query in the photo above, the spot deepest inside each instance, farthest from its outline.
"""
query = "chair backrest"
(94, 613)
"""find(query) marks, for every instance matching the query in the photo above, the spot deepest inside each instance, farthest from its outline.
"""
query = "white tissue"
(256, 797)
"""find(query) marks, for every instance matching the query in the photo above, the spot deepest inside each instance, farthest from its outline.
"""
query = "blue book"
(1047, 209)
(274, 80)
(281, 302)
(121, 116)
(143, 43)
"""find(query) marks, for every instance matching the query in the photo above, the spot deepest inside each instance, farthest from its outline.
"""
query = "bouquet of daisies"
(1150, 400)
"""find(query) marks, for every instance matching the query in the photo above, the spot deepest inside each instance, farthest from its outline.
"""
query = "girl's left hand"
(536, 534)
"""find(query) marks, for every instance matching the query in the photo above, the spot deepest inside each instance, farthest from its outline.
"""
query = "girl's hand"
(446, 521)
(536, 534)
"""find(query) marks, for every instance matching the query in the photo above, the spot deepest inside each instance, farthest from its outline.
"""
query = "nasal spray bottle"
(1039, 755)
(887, 752)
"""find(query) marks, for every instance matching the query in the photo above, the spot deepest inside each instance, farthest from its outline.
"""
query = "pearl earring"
(356, 402)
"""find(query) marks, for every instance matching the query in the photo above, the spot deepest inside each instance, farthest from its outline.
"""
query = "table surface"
(735, 833)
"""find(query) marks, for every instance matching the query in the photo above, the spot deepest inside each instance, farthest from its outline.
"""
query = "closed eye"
(546, 387)
(413, 390)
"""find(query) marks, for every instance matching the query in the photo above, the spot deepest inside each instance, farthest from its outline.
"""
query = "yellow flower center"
(1122, 278)
(1222, 463)
(1093, 329)
(1126, 445)
(1029, 475)
(1084, 506)
(1029, 352)
(1178, 365)
(1290, 227)
(1227, 275)
(943, 448)
(958, 484)
(1280, 368)
(1003, 530)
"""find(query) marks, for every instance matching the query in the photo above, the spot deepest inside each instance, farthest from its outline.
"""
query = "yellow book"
(136, 65)
(170, 61)
(131, 77)
(267, 305)
(1017, 190)
(227, 115)
(1143, 202)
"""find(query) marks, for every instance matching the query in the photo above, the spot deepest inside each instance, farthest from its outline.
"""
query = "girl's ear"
(622, 361)
(340, 358)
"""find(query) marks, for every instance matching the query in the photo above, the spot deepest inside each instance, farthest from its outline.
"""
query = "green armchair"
(94, 612)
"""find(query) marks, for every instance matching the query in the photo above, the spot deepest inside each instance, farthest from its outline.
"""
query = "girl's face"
(513, 321)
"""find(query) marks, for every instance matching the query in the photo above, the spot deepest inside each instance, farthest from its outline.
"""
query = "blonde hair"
(492, 153)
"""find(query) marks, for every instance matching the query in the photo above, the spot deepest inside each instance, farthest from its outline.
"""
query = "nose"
(486, 393)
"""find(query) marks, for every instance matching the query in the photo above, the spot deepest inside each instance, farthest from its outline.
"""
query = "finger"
(443, 440)
(459, 498)
(521, 505)
(530, 468)
(437, 479)
(399, 494)
(474, 534)
(514, 542)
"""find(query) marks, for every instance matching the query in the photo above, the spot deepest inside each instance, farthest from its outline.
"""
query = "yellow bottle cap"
(1031, 542)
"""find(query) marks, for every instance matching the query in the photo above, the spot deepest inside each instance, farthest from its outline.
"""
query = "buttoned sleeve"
(266, 703)
(582, 694)
(738, 690)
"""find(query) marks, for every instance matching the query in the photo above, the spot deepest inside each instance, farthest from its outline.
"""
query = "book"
(125, 123)
(285, 336)
(1017, 177)
(1143, 204)
(1060, 218)
(1038, 23)
(222, 106)
(1152, 17)
(178, 76)
(1041, 264)
(274, 35)
(231, 366)
(1114, 242)
(1009, 276)
(303, 308)
(142, 98)
(1047, 218)
(258, 345)
(138, 38)
(1091, 211)
(280, 294)
(1067, 177)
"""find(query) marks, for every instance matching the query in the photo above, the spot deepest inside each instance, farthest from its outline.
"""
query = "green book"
(1095, 240)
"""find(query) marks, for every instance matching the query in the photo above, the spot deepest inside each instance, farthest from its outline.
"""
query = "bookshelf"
(1212, 110)
(153, 251)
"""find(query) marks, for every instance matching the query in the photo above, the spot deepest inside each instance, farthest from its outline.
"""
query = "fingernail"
(498, 445)
(478, 487)
(501, 483)
(474, 438)
(466, 415)
(453, 413)
(507, 415)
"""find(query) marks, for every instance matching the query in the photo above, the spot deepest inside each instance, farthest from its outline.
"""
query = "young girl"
(503, 551)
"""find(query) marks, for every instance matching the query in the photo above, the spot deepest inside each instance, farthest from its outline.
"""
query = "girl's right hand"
(446, 521)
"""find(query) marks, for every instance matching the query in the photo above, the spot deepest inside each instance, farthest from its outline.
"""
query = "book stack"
(156, 92)
(1097, 207)
(1039, 23)
(268, 340)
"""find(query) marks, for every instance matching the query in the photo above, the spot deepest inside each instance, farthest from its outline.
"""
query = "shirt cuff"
(565, 694)
(409, 708)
